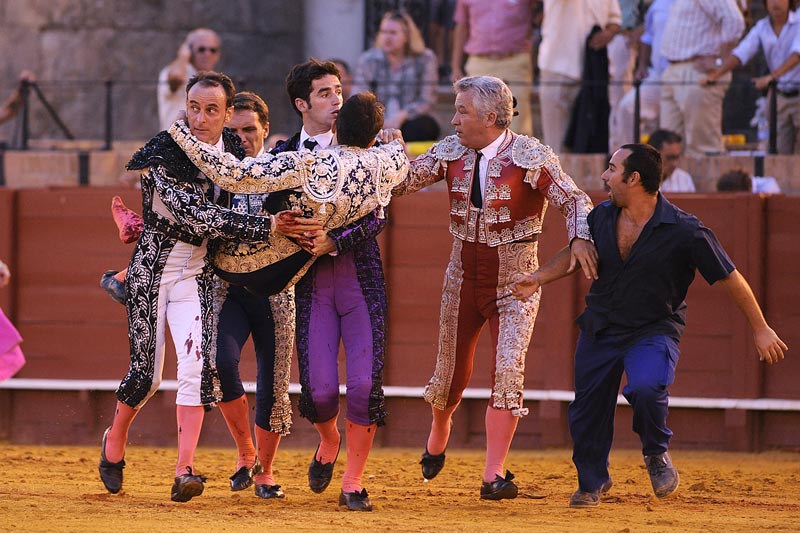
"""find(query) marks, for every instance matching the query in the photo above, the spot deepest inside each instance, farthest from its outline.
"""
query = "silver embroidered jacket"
(521, 180)
(340, 185)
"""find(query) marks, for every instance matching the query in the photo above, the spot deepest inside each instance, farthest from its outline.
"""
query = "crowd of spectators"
(680, 54)
(591, 62)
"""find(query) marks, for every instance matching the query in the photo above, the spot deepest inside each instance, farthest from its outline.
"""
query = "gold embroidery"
(350, 182)
(489, 216)
(517, 319)
(503, 192)
(438, 388)
(460, 185)
(283, 314)
(242, 258)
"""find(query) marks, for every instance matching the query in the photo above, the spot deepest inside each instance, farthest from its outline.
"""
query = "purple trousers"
(344, 299)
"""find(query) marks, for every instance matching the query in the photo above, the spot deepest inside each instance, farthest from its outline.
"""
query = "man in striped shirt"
(698, 34)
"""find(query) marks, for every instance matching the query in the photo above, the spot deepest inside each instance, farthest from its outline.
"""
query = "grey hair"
(491, 96)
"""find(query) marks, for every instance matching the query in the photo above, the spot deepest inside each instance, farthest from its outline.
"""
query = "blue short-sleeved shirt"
(644, 295)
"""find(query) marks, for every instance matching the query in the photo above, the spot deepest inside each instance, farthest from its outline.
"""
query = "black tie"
(310, 144)
(475, 194)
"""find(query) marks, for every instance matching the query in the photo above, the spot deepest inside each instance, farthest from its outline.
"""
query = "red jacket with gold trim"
(521, 180)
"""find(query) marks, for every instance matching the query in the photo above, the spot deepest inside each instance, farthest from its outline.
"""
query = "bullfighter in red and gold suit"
(500, 184)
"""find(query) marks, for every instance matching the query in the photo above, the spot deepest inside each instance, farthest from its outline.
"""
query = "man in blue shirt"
(635, 314)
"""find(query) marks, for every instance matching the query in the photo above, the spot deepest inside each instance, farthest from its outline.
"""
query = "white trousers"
(557, 94)
(179, 306)
(620, 125)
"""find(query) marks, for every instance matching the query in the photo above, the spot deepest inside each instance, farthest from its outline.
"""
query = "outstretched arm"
(770, 347)
(265, 173)
(558, 267)
(190, 208)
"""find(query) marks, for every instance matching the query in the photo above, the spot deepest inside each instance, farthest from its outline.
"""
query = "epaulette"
(449, 149)
(530, 153)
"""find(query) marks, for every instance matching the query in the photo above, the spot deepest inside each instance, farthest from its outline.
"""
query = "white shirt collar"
(490, 151)
(220, 145)
(323, 139)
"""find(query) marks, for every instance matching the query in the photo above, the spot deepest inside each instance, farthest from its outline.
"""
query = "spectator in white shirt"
(778, 35)
(649, 68)
(740, 180)
(199, 51)
(698, 34)
(565, 27)
(673, 179)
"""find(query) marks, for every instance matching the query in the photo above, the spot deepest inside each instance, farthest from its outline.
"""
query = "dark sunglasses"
(204, 49)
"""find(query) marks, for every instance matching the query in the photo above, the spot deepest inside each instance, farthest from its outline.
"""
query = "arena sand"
(58, 489)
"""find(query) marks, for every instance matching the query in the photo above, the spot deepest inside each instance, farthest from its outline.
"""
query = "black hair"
(659, 137)
(210, 78)
(735, 180)
(300, 78)
(247, 101)
(359, 120)
(645, 160)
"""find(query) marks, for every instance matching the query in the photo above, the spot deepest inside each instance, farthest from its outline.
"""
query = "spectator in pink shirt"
(497, 36)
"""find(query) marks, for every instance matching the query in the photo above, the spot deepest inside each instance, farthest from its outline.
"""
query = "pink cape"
(11, 357)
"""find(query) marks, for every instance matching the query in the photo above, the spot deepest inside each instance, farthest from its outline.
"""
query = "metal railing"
(110, 87)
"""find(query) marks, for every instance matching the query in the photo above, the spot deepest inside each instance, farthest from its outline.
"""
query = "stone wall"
(74, 45)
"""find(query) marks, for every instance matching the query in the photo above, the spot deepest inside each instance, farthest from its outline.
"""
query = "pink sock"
(440, 429)
(237, 417)
(117, 438)
(359, 443)
(329, 440)
(190, 422)
(500, 428)
(267, 443)
(120, 276)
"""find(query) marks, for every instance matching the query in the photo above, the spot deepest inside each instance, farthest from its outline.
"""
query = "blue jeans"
(649, 365)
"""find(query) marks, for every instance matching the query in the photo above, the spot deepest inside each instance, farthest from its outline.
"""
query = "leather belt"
(690, 59)
(497, 55)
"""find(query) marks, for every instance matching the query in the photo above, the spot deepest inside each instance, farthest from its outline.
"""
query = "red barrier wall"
(60, 241)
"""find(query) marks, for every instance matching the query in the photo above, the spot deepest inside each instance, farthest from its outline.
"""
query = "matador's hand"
(291, 224)
(319, 243)
(388, 135)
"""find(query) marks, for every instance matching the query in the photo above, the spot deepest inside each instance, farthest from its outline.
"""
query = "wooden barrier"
(43, 168)
(59, 242)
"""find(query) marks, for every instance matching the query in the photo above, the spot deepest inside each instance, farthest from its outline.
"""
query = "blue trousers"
(243, 314)
(649, 365)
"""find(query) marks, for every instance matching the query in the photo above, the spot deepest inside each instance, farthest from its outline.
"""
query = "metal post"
(109, 114)
(637, 111)
(773, 117)
(24, 88)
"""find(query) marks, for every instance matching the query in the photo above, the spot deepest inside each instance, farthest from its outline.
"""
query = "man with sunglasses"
(199, 51)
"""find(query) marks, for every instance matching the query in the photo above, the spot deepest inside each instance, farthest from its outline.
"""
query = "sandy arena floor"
(58, 489)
